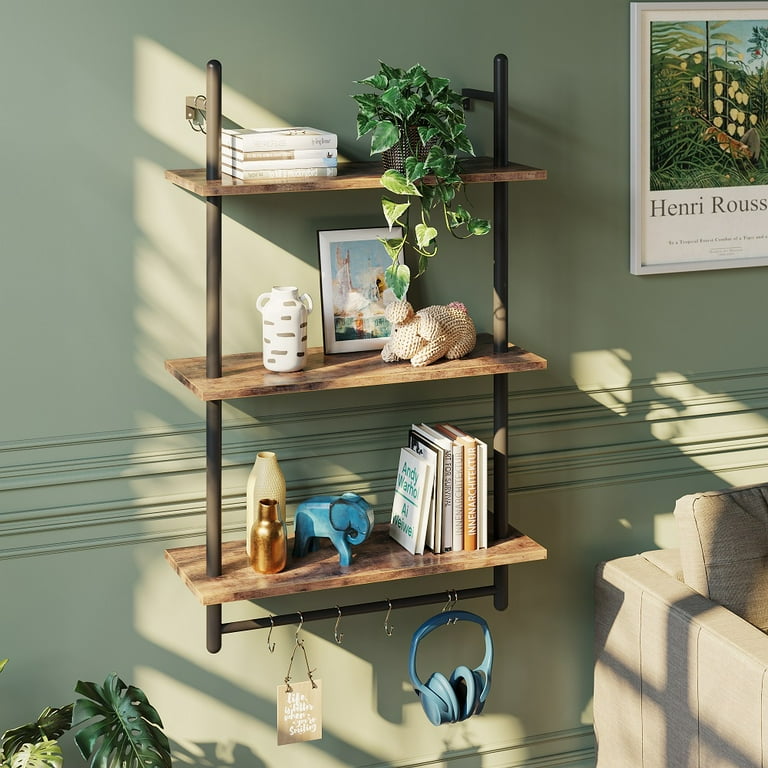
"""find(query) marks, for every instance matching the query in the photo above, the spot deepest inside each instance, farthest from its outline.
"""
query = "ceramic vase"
(269, 552)
(266, 481)
(284, 320)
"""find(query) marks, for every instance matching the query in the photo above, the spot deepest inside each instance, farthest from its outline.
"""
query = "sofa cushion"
(724, 548)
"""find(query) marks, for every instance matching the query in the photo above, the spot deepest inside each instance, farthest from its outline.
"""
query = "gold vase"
(266, 481)
(267, 537)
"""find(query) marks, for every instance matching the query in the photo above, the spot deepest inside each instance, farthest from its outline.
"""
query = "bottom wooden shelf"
(377, 559)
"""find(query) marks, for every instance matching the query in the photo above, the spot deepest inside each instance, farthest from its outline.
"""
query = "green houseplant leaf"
(398, 277)
(43, 754)
(393, 211)
(396, 182)
(125, 729)
(50, 724)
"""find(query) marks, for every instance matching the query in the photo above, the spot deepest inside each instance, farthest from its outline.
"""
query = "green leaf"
(446, 192)
(393, 211)
(365, 124)
(438, 84)
(416, 75)
(396, 104)
(391, 73)
(367, 102)
(398, 278)
(385, 135)
(44, 754)
(393, 246)
(441, 163)
(126, 728)
(479, 226)
(424, 260)
(424, 235)
(51, 723)
(378, 81)
(395, 182)
(3, 662)
(414, 169)
(463, 144)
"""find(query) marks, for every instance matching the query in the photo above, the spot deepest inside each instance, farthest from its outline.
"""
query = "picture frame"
(352, 287)
(699, 182)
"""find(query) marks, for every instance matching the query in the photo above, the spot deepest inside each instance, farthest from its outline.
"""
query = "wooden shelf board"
(243, 375)
(378, 559)
(351, 175)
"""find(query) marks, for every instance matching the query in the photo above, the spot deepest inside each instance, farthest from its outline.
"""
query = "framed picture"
(699, 114)
(353, 291)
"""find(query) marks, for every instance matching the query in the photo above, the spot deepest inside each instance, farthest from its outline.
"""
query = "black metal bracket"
(194, 112)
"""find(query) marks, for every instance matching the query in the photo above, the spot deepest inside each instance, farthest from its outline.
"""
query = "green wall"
(656, 385)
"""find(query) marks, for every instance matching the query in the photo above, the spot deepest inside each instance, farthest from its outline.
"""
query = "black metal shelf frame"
(215, 629)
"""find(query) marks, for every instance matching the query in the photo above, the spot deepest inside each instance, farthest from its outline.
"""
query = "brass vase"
(265, 481)
(268, 551)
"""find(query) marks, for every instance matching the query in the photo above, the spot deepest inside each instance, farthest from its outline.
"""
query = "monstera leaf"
(125, 730)
(44, 754)
(50, 724)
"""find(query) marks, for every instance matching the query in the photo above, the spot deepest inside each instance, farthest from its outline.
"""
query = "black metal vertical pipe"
(213, 221)
(213, 346)
(500, 331)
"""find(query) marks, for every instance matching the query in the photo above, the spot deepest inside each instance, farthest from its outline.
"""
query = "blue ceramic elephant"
(346, 520)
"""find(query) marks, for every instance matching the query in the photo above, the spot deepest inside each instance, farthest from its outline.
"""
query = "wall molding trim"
(574, 748)
(119, 488)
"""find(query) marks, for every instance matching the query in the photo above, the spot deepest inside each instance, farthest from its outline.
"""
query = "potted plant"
(117, 726)
(416, 122)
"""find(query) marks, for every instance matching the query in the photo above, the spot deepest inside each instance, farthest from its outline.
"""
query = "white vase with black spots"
(284, 318)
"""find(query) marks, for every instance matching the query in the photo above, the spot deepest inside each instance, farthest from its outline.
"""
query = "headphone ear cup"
(439, 700)
(464, 685)
(480, 685)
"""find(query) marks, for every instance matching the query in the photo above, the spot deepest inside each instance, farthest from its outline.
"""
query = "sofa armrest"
(679, 680)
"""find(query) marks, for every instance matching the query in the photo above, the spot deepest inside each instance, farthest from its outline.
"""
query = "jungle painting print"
(699, 129)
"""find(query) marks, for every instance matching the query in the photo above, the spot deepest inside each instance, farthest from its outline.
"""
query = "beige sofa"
(681, 667)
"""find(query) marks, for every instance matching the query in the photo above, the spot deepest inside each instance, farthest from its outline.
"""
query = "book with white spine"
(296, 137)
(278, 173)
(235, 157)
(410, 506)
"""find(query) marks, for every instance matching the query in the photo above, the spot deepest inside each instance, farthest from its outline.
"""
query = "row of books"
(276, 153)
(441, 491)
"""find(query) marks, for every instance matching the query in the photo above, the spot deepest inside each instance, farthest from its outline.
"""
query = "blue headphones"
(463, 694)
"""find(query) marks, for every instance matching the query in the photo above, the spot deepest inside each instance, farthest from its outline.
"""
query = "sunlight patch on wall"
(712, 429)
(169, 267)
(665, 534)
(604, 375)
(163, 81)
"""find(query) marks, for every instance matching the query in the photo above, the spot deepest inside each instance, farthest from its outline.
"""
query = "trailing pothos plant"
(117, 727)
(421, 113)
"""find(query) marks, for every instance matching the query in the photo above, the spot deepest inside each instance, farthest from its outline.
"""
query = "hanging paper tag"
(299, 712)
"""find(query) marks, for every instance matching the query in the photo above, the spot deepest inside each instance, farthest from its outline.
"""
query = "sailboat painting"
(354, 293)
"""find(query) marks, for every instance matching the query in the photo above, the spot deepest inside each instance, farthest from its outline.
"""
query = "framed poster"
(699, 115)
(352, 287)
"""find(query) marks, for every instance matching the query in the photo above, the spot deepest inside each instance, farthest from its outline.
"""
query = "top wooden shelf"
(350, 176)
(243, 375)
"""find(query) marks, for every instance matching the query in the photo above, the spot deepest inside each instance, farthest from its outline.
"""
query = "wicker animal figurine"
(429, 334)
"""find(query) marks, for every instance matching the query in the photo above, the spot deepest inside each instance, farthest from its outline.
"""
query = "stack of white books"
(276, 153)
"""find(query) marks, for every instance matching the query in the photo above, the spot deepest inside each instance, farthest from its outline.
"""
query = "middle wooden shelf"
(243, 375)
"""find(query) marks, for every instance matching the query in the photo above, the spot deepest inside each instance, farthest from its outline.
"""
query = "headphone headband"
(449, 617)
